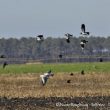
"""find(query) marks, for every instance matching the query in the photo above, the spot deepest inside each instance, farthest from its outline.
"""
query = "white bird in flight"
(45, 77)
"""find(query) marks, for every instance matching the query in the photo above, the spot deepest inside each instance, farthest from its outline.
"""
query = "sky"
(28, 18)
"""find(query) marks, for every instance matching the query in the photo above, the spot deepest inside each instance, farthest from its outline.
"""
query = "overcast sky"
(20, 18)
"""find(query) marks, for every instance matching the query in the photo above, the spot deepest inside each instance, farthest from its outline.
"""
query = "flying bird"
(60, 56)
(4, 64)
(82, 43)
(40, 38)
(83, 29)
(45, 77)
(68, 36)
(2, 56)
(101, 60)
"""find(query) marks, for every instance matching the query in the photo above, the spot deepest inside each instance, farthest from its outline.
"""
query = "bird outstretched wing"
(83, 28)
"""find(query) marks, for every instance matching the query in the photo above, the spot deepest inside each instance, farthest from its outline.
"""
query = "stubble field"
(22, 91)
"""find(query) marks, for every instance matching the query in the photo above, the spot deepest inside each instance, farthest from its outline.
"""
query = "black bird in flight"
(82, 43)
(2, 56)
(60, 56)
(83, 30)
(68, 36)
(5, 64)
(40, 38)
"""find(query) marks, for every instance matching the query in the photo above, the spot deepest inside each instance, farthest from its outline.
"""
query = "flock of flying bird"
(83, 42)
(40, 38)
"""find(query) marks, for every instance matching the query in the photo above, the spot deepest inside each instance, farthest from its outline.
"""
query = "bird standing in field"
(71, 74)
(82, 72)
(69, 81)
(83, 30)
(68, 36)
(45, 77)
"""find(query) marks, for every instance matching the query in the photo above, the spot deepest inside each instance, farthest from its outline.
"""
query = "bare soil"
(84, 92)
(55, 103)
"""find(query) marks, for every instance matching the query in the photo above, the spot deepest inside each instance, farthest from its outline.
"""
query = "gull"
(40, 38)
(45, 77)
(82, 43)
(83, 29)
(68, 37)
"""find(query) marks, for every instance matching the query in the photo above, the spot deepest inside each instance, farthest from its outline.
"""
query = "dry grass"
(28, 85)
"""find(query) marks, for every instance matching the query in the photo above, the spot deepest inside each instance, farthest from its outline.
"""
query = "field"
(21, 89)
(56, 68)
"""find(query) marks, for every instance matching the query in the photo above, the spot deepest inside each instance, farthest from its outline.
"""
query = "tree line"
(30, 48)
